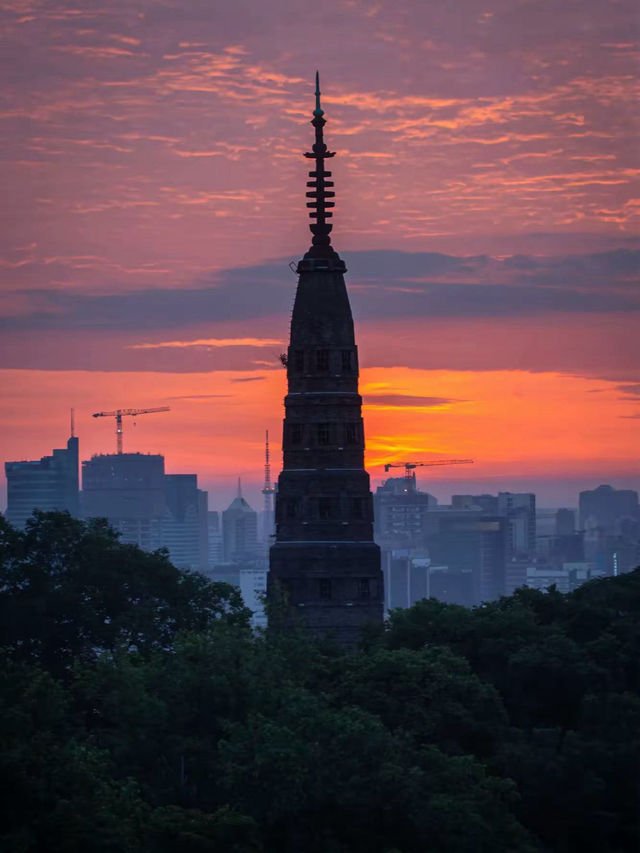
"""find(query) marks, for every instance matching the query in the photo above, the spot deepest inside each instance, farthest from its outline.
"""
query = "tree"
(70, 590)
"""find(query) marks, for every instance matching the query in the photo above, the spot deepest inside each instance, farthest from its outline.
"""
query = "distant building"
(148, 507)
(606, 508)
(214, 535)
(520, 510)
(565, 522)
(240, 532)
(266, 534)
(406, 577)
(400, 513)
(253, 589)
(515, 575)
(456, 553)
(544, 577)
(50, 483)
(546, 521)
(128, 489)
(566, 578)
(183, 522)
(610, 519)
(580, 573)
(621, 555)
(203, 529)
(486, 503)
(474, 547)
(453, 585)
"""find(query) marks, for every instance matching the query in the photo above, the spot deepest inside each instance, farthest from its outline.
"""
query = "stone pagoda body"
(324, 559)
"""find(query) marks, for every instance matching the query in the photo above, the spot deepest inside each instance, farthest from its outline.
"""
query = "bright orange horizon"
(216, 426)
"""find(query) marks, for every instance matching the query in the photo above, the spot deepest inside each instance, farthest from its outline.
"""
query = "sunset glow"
(487, 207)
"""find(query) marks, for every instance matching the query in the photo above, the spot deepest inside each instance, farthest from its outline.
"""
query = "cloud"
(382, 284)
(198, 396)
(210, 342)
(406, 401)
(630, 391)
(248, 379)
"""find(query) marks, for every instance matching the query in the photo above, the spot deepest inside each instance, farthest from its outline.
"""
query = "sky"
(487, 207)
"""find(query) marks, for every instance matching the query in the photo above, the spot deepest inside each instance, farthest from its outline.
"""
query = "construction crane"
(118, 414)
(409, 466)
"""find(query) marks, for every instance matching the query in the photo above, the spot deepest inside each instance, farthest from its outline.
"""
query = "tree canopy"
(141, 713)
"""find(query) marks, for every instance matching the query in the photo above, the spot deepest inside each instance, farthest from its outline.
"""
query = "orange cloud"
(211, 342)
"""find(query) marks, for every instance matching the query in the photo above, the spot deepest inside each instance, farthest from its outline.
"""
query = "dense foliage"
(140, 713)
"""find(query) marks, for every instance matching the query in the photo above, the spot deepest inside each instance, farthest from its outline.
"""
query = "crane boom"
(409, 466)
(118, 414)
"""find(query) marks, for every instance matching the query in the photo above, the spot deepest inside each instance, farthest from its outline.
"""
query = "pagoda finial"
(318, 110)
(239, 487)
(320, 194)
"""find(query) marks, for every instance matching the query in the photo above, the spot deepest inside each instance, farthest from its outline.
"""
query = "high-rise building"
(128, 489)
(203, 530)
(606, 508)
(147, 507)
(214, 540)
(400, 513)
(49, 483)
(474, 547)
(240, 532)
(565, 522)
(487, 503)
(610, 520)
(520, 510)
(183, 522)
(324, 556)
(406, 577)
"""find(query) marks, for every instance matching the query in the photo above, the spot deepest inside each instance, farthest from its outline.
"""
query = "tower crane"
(409, 466)
(118, 414)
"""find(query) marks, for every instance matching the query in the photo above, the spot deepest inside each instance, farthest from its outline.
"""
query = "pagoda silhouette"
(324, 561)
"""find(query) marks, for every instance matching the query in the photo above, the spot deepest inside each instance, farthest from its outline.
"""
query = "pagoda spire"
(320, 192)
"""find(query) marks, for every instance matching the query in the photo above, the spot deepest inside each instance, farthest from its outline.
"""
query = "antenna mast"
(268, 491)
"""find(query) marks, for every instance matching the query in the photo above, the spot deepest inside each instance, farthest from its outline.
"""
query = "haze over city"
(487, 188)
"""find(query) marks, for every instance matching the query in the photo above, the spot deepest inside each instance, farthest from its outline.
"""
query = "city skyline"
(487, 209)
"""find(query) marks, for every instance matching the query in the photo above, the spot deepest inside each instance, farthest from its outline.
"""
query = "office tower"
(128, 489)
(606, 508)
(214, 540)
(610, 519)
(406, 577)
(324, 556)
(50, 483)
(203, 530)
(471, 548)
(486, 503)
(520, 510)
(240, 532)
(183, 520)
(565, 522)
(399, 511)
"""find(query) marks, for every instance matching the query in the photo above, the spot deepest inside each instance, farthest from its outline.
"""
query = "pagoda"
(324, 560)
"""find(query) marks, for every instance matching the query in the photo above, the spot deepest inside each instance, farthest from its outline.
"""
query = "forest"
(141, 713)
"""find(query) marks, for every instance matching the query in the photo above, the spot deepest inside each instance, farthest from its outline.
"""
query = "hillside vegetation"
(140, 714)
